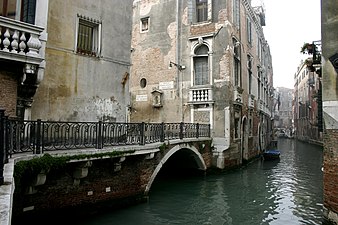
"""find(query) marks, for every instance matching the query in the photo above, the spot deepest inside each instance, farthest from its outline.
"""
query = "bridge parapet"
(20, 136)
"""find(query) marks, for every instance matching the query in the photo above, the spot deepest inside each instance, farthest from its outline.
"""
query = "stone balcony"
(238, 99)
(20, 41)
(260, 105)
(200, 95)
(251, 101)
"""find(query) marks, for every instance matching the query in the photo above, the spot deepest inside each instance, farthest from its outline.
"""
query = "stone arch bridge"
(61, 167)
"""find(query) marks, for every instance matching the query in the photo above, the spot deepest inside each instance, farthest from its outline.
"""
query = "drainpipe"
(178, 57)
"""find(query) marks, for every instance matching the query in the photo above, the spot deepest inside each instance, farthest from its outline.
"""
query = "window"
(237, 63)
(259, 49)
(28, 11)
(250, 73)
(23, 10)
(201, 69)
(8, 8)
(248, 28)
(201, 10)
(143, 82)
(259, 82)
(88, 37)
(236, 12)
(144, 24)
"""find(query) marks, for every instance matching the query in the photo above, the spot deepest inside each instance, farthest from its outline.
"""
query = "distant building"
(283, 111)
(307, 107)
(204, 62)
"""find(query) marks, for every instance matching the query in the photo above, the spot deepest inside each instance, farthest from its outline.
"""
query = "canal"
(283, 192)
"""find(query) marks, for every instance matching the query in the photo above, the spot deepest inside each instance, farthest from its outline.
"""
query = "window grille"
(88, 37)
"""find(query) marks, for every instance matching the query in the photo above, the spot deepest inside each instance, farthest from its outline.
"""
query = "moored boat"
(271, 154)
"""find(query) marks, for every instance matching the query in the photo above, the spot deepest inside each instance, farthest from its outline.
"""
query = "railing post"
(99, 139)
(209, 131)
(6, 144)
(2, 145)
(142, 138)
(162, 137)
(197, 130)
(38, 137)
(181, 130)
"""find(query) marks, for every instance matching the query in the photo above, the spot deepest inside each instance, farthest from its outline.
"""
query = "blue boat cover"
(273, 152)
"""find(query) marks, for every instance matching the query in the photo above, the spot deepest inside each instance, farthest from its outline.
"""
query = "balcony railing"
(200, 95)
(20, 41)
(251, 101)
(238, 95)
(260, 105)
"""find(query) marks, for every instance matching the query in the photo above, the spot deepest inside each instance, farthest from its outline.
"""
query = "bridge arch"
(193, 152)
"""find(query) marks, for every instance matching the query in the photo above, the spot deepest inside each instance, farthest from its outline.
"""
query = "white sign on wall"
(166, 85)
(141, 98)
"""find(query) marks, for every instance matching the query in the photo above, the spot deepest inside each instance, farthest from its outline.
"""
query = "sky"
(289, 24)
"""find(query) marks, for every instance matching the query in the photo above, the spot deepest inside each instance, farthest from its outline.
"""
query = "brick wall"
(202, 29)
(102, 188)
(8, 92)
(330, 174)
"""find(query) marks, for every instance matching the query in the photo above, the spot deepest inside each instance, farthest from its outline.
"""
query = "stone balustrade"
(20, 41)
(203, 94)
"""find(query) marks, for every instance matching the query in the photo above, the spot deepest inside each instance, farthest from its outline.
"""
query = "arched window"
(201, 67)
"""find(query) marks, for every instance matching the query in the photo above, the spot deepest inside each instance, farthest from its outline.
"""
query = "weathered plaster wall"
(84, 88)
(172, 36)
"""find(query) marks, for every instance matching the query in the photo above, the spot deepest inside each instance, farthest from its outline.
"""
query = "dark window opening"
(201, 10)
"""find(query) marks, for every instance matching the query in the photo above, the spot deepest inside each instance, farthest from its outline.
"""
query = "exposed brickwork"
(331, 170)
(8, 92)
(59, 193)
(202, 29)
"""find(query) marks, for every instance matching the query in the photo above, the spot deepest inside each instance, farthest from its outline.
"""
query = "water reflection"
(288, 191)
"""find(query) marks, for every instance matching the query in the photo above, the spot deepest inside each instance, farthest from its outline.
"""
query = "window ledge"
(197, 24)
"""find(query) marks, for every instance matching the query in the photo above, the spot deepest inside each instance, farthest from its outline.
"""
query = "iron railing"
(19, 136)
(38, 136)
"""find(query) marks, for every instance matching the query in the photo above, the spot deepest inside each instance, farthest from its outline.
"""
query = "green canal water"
(284, 192)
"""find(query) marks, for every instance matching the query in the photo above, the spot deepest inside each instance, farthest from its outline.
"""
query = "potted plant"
(307, 48)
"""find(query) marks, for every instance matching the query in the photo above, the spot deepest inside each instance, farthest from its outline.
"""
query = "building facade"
(88, 62)
(22, 53)
(283, 109)
(307, 107)
(204, 61)
(330, 107)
